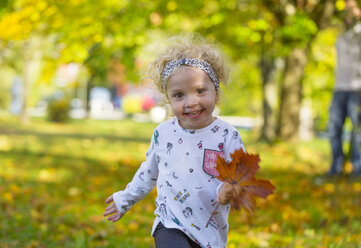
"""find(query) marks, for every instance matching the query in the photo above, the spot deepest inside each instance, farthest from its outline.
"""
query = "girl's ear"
(217, 96)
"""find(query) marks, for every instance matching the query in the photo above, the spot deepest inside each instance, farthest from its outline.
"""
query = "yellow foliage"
(286, 215)
(8, 196)
(4, 141)
(44, 227)
(35, 214)
(41, 5)
(329, 187)
(309, 232)
(356, 187)
(87, 143)
(74, 191)
(271, 197)
(133, 226)
(260, 239)
(62, 228)
(348, 167)
(97, 181)
(275, 227)
(14, 188)
(89, 230)
(171, 6)
(35, 16)
(97, 218)
(18, 216)
(98, 38)
(47, 175)
(16, 25)
(33, 244)
(340, 4)
(114, 167)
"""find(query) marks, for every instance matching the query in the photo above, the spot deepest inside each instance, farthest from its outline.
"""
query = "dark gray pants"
(174, 238)
(345, 103)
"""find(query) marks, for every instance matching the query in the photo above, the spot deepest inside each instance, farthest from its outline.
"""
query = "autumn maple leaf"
(240, 173)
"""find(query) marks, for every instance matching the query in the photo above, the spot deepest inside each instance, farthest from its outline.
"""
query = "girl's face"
(192, 97)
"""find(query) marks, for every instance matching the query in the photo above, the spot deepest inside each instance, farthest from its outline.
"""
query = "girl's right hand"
(112, 209)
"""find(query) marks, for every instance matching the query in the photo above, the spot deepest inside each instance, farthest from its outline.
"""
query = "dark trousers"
(174, 238)
(345, 103)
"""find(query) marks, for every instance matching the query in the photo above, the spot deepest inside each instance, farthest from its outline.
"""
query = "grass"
(54, 179)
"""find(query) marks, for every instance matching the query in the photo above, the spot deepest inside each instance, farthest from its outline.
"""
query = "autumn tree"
(84, 32)
(296, 25)
(279, 35)
(254, 34)
(274, 35)
(20, 40)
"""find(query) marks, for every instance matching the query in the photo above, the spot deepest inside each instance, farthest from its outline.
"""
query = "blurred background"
(76, 118)
(91, 56)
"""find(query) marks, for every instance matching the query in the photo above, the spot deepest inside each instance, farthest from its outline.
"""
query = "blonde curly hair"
(190, 46)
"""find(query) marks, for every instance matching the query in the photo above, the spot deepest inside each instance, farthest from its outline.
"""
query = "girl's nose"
(191, 101)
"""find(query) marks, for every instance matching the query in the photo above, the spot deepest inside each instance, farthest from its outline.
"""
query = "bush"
(58, 110)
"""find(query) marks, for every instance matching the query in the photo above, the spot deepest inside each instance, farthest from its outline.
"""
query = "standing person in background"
(347, 92)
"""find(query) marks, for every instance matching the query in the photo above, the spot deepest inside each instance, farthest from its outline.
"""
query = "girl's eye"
(200, 91)
(178, 95)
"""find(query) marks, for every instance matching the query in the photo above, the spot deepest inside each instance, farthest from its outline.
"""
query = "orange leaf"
(240, 172)
(243, 199)
(224, 172)
(258, 187)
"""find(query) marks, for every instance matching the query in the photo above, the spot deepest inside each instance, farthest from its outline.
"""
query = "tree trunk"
(291, 94)
(32, 52)
(268, 68)
(89, 86)
(24, 116)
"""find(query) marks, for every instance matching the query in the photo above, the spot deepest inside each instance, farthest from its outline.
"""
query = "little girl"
(192, 206)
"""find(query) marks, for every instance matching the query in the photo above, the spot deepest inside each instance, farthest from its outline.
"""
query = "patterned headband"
(198, 63)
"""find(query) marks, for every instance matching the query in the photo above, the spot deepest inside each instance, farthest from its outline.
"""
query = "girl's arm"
(233, 142)
(142, 183)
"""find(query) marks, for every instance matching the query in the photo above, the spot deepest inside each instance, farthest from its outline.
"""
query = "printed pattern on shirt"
(182, 164)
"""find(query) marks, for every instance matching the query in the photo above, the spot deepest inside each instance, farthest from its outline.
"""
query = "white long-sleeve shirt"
(182, 164)
(348, 69)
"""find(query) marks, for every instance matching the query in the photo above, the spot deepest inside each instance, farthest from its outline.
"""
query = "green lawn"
(54, 179)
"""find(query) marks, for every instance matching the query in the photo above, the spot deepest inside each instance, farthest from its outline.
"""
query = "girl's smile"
(192, 96)
(194, 114)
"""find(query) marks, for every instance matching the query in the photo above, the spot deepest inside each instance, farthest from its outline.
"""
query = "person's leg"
(338, 112)
(169, 237)
(354, 111)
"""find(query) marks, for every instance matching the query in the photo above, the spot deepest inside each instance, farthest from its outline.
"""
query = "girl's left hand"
(225, 193)
(112, 209)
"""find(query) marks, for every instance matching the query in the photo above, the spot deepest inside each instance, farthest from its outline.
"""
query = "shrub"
(58, 110)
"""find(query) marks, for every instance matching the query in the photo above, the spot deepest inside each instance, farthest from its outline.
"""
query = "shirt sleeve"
(234, 142)
(142, 183)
